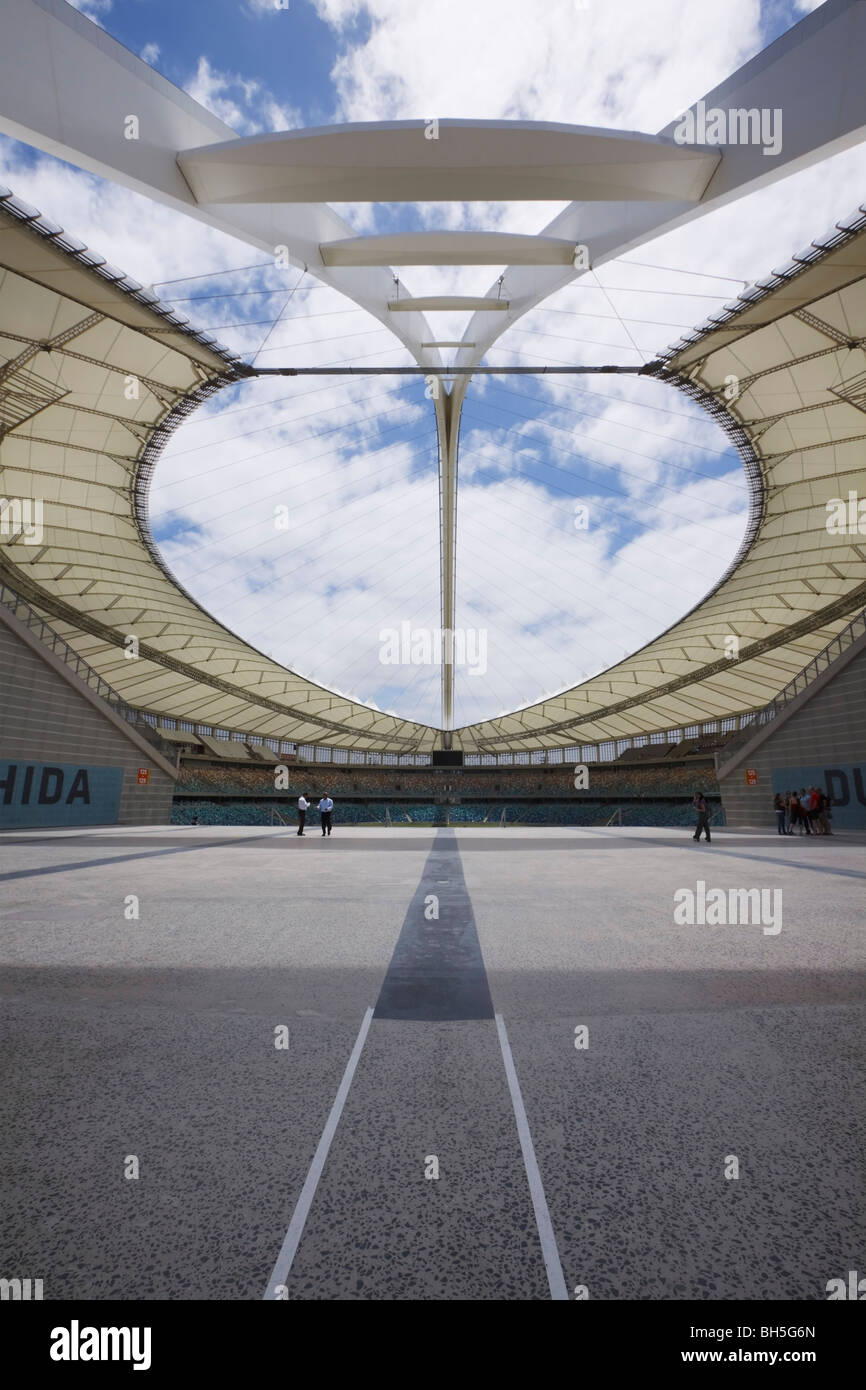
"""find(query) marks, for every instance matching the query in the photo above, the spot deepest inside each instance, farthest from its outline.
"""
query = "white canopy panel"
(794, 347)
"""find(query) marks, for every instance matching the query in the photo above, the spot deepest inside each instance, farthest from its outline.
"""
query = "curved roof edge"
(682, 366)
(842, 231)
(98, 265)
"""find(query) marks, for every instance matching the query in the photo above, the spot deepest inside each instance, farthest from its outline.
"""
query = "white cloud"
(92, 8)
(243, 103)
(150, 53)
(634, 63)
(151, 242)
(354, 465)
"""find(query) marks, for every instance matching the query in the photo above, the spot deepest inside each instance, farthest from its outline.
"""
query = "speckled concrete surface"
(704, 1042)
(155, 1036)
(379, 1229)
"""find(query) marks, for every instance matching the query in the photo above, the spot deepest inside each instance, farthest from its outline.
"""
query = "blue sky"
(289, 52)
(353, 465)
(292, 51)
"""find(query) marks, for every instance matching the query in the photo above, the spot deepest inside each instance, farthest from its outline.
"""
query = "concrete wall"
(45, 717)
(826, 732)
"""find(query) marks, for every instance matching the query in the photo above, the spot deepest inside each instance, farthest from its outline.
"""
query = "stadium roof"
(794, 346)
(73, 330)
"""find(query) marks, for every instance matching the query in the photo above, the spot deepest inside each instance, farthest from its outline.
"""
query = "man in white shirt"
(326, 806)
(303, 808)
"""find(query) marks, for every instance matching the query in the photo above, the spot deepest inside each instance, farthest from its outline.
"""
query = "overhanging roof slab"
(447, 160)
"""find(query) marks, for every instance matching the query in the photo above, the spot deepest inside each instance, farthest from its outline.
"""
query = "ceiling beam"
(436, 303)
(448, 161)
(449, 248)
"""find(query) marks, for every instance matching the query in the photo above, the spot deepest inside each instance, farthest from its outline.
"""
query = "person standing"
(779, 808)
(303, 808)
(702, 813)
(825, 813)
(326, 807)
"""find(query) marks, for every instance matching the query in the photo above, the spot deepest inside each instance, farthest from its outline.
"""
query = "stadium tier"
(666, 779)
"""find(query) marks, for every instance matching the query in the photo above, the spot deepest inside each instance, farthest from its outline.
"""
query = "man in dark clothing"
(702, 813)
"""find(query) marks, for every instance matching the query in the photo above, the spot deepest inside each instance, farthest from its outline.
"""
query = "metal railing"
(23, 611)
(803, 679)
(604, 752)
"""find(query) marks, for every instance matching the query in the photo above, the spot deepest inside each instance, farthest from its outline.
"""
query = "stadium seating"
(575, 813)
(605, 779)
(656, 793)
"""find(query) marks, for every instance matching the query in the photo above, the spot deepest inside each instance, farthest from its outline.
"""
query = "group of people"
(807, 811)
(325, 808)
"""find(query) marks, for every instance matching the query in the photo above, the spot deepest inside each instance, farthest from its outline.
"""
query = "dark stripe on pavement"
(729, 853)
(437, 969)
(123, 858)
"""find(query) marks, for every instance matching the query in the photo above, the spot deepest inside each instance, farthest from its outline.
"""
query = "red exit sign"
(751, 776)
(143, 776)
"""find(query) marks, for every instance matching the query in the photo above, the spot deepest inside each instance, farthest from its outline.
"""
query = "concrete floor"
(154, 1037)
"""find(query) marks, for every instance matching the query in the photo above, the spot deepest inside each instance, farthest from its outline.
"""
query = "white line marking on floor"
(308, 1191)
(555, 1276)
